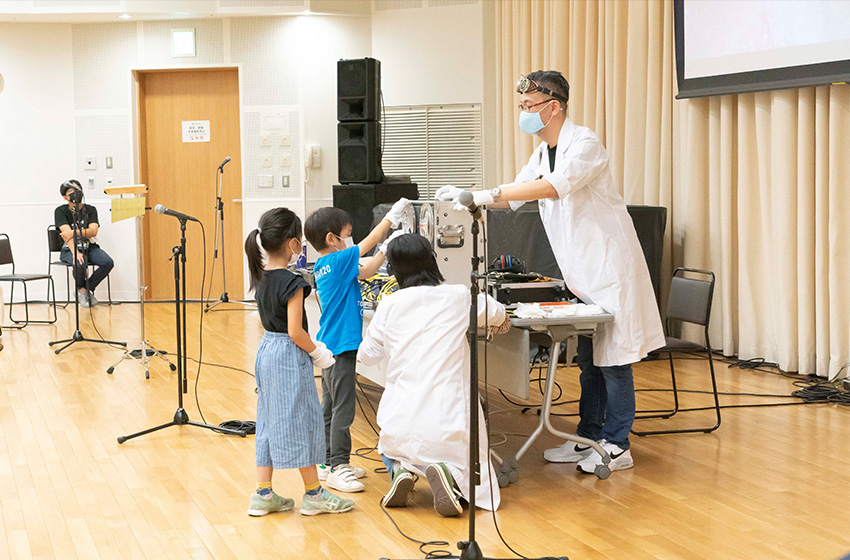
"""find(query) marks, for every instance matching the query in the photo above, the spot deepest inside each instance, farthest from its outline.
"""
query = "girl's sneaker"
(403, 481)
(262, 505)
(324, 502)
(446, 501)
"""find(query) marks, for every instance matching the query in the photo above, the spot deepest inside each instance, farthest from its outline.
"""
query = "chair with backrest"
(6, 258)
(689, 302)
(54, 245)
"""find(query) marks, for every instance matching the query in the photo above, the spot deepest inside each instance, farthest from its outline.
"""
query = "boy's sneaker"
(402, 484)
(92, 300)
(620, 459)
(344, 479)
(83, 299)
(568, 452)
(325, 502)
(262, 505)
(442, 483)
(324, 469)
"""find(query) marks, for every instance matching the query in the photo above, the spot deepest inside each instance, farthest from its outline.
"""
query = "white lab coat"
(424, 411)
(595, 244)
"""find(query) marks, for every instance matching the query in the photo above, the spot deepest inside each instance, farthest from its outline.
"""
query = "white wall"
(430, 54)
(68, 96)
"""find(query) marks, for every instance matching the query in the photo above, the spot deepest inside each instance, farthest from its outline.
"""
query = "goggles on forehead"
(527, 85)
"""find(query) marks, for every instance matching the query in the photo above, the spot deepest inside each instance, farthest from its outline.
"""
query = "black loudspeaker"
(359, 200)
(358, 90)
(359, 146)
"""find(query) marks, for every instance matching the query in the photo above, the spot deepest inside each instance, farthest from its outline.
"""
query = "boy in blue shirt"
(337, 273)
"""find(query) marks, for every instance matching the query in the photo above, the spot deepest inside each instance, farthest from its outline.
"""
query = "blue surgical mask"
(531, 123)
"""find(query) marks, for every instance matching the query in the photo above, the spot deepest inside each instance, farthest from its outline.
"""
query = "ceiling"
(88, 11)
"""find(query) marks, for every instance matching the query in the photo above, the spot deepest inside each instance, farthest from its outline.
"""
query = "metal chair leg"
(692, 430)
(664, 413)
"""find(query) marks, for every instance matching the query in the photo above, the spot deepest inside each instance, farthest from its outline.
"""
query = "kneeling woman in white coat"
(424, 411)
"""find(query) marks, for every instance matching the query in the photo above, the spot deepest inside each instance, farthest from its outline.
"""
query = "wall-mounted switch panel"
(266, 161)
(285, 140)
(265, 140)
(265, 181)
(284, 181)
(109, 162)
(90, 182)
(285, 160)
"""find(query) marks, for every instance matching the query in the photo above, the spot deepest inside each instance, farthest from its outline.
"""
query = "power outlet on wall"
(284, 181)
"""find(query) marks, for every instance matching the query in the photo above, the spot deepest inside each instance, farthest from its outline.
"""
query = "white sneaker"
(620, 459)
(83, 299)
(92, 300)
(568, 452)
(323, 471)
(343, 479)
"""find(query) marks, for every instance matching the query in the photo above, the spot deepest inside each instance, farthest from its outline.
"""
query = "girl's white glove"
(322, 357)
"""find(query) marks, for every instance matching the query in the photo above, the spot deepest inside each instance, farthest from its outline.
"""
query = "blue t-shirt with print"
(341, 322)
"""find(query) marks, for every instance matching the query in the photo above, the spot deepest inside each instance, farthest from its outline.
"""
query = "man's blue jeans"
(96, 256)
(607, 404)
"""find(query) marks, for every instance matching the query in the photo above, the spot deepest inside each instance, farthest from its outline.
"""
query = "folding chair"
(7, 258)
(689, 302)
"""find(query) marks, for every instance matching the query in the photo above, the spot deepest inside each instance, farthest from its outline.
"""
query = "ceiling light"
(125, 16)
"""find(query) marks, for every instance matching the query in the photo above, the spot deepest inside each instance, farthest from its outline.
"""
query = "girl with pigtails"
(290, 430)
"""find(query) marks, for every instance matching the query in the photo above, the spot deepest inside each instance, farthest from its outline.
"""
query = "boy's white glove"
(480, 198)
(386, 244)
(447, 192)
(396, 213)
(322, 357)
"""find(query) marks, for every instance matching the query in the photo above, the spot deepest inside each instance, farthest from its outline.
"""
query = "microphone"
(160, 209)
(227, 159)
(466, 199)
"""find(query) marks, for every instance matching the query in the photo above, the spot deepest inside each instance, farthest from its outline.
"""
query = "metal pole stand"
(145, 350)
(181, 418)
(219, 208)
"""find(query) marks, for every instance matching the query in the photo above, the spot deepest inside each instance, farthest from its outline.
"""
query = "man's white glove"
(447, 192)
(386, 244)
(480, 198)
(322, 357)
(396, 213)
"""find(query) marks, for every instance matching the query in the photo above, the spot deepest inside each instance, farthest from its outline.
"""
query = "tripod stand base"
(78, 337)
(225, 299)
(137, 355)
(182, 419)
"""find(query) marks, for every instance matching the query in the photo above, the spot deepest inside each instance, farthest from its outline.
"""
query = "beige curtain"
(756, 185)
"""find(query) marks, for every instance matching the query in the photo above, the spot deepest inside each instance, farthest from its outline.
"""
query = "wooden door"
(182, 176)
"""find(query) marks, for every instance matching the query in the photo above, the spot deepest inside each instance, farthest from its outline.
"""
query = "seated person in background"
(424, 411)
(87, 251)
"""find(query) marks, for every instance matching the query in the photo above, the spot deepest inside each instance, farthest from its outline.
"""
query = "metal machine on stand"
(122, 209)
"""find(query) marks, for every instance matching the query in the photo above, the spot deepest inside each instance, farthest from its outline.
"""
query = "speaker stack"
(362, 182)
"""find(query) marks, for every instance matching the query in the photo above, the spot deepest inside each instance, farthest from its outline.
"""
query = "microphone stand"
(469, 550)
(76, 216)
(219, 208)
(181, 418)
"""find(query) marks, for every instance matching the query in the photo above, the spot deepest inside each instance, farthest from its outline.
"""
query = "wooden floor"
(770, 483)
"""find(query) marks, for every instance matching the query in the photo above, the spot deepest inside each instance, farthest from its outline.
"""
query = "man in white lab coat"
(597, 250)
(424, 412)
